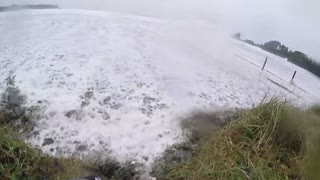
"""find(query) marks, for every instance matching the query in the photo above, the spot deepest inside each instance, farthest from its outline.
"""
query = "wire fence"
(263, 68)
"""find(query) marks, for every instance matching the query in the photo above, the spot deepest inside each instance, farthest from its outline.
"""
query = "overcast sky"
(296, 23)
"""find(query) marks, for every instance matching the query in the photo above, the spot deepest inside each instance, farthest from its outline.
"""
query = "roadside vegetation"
(271, 141)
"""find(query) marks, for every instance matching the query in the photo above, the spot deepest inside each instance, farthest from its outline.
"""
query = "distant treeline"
(27, 6)
(295, 57)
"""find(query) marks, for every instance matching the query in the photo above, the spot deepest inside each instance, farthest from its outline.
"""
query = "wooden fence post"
(265, 62)
(294, 75)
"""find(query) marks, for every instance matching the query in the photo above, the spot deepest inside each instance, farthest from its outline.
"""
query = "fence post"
(265, 62)
(294, 75)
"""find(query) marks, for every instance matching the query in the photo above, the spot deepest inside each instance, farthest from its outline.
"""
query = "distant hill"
(27, 6)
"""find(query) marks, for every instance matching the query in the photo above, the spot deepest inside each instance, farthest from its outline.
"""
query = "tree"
(276, 47)
(237, 36)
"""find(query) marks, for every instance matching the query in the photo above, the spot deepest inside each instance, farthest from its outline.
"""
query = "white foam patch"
(118, 83)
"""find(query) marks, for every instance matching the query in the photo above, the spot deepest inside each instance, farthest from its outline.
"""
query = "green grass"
(271, 141)
(19, 161)
(316, 110)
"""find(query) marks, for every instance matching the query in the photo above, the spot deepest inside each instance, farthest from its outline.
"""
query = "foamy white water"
(117, 84)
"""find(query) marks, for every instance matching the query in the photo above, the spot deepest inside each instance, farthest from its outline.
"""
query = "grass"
(20, 161)
(271, 141)
(17, 160)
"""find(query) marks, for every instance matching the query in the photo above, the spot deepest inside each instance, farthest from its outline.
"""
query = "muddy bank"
(196, 127)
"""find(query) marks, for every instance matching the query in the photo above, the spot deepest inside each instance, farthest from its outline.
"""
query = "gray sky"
(295, 23)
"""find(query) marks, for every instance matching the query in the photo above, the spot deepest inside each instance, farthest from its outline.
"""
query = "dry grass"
(272, 141)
